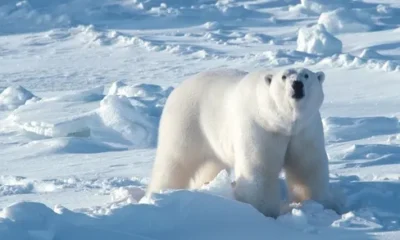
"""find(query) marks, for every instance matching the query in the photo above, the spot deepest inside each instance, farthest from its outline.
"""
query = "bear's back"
(205, 88)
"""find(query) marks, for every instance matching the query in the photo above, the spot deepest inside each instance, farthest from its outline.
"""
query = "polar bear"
(255, 124)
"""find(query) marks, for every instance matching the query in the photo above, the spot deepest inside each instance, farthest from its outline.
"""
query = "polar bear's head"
(297, 85)
(295, 93)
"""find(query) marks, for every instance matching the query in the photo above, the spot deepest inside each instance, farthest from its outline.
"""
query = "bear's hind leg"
(206, 173)
(171, 174)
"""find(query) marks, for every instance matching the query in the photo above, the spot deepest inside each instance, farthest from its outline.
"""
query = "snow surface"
(83, 85)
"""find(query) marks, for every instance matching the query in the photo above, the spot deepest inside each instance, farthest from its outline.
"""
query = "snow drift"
(178, 214)
(60, 116)
(126, 116)
(345, 21)
(119, 115)
(15, 96)
(319, 6)
(316, 40)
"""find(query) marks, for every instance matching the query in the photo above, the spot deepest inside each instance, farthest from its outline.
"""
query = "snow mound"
(94, 36)
(130, 194)
(280, 57)
(345, 21)
(384, 9)
(299, 217)
(127, 116)
(12, 185)
(178, 214)
(90, 95)
(150, 96)
(117, 187)
(29, 220)
(15, 96)
(119, 115)
(212, 25)
(221, 185)
(342, 129)
(253, 38)
(316, 40)
(370, 54)
(317, 6)
(133, 112)
(349, 61)
(172, 3)
(143, 90)
(62, 116)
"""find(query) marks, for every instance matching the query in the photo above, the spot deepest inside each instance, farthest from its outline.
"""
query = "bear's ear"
(321, 76)
(268, 78)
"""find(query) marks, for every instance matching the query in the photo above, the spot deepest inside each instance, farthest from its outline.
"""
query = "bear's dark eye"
(306, 76)
(283, 77)
(268, 78)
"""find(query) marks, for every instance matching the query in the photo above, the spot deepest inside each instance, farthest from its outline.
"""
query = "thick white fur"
(248, 123)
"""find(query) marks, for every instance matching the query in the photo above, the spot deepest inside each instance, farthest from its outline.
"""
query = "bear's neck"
(285, 118)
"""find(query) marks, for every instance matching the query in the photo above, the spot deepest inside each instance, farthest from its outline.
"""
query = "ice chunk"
(15, 96)
(316, 40)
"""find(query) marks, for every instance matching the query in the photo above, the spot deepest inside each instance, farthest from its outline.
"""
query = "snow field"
(119, 106)
(83, 85)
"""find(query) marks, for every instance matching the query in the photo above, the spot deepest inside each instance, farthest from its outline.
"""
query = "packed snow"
(82, 89)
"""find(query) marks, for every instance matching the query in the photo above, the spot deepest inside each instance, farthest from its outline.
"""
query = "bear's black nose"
(298, 88)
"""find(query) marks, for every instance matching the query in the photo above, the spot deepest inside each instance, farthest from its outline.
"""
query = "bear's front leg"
(307, 168)
(259, 158)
